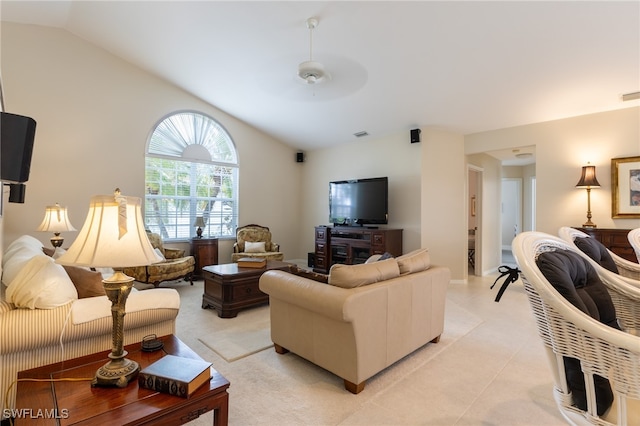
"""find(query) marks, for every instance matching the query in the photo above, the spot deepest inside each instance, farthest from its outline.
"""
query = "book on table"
(252, 262)
(175, 375)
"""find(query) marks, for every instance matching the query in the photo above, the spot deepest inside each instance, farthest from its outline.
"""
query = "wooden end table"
(229, 288)
(77, 403)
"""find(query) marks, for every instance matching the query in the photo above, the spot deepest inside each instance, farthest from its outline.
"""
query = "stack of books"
(252, 262)
(175, 375)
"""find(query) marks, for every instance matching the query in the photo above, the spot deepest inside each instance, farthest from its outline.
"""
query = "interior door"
(511, 221)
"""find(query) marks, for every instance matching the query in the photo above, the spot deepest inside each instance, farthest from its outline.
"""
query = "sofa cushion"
(87, 283)
(41, 284)
(578, 282)
(415, 261)
(350, 276)
(596, 251)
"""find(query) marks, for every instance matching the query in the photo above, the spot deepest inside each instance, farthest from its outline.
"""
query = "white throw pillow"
(41, 284)
(160, 254)
(18, 253)
(250, 247)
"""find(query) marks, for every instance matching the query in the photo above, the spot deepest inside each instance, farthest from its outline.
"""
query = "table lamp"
(56, 221)
(113, 236)
(588, 180)
(199, 223)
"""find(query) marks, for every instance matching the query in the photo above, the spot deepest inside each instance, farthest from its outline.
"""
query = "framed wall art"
(625, 191)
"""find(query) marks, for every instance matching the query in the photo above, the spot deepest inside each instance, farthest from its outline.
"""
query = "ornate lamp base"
(117, 372)
(120, 370)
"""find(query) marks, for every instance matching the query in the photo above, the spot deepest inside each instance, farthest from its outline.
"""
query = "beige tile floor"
(488, 369)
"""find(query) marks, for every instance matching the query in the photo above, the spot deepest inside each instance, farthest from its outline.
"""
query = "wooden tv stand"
(352, 245)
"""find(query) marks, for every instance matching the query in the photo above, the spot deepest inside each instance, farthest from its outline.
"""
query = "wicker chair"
(569, 332)
(634, 239)
(630, 271)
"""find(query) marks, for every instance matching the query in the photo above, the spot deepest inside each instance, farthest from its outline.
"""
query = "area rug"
(245, 335)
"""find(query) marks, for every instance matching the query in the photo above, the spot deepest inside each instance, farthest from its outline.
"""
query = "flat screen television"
(359, 202)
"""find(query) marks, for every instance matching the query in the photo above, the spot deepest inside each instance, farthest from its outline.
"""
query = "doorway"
(474, 219)
(511, 216)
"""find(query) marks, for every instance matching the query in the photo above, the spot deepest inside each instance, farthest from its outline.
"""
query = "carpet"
(245, 335)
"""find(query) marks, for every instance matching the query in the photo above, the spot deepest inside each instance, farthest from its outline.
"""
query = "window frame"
(171, 227)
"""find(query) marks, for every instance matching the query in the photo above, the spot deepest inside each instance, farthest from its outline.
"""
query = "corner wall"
(94, 113)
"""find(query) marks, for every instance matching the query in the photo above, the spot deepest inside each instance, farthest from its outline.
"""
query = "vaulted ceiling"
(463, 66)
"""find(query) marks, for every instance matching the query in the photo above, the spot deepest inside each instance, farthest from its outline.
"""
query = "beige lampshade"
(199, 222)
(56, 220)
(113, 235)
(588, 178)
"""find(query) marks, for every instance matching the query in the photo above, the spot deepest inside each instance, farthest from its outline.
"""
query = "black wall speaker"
(16, 146)
(299, 157)
(415, 135)
(17, 192)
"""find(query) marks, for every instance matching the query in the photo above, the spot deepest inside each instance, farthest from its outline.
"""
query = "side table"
(205, 252)
(77, 403)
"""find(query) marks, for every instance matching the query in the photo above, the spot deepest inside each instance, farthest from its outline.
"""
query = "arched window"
(191, 170)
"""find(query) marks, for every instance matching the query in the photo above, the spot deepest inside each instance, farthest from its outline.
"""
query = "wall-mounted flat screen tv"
(359, 202)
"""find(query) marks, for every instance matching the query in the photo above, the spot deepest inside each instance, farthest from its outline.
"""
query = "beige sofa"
(365, 319)
(42, 320)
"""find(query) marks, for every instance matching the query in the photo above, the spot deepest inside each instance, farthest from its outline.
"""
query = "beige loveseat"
(42, 320)
(365, 319)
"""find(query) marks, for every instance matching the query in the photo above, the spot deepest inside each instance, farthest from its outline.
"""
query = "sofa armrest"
(315, 296)
(5, 306)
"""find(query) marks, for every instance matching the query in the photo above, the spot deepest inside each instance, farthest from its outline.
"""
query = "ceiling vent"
(361, 134)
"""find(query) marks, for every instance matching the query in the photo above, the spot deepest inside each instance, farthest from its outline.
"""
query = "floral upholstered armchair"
(175, 265)
(255, 241)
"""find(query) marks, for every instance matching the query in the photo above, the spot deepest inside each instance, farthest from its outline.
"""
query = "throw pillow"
(415, 261)
(18, 253)
(160, 254)
(87, 283)
(251, 247)
(350, 276)
(41, 284)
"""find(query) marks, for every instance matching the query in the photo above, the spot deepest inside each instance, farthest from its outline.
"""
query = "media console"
(352, 245)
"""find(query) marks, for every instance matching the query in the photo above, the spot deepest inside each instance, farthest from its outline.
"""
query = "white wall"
(393, 156)
(562, 148)
(94, 113)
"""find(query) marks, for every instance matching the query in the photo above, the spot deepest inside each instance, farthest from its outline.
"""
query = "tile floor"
(489, 368)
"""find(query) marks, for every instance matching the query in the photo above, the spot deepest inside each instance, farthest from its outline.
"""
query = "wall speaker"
(415, 135)
(299, 157)
(17, 133)
(17, 192)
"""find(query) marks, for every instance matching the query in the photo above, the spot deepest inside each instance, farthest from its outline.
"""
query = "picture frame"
(625, 190)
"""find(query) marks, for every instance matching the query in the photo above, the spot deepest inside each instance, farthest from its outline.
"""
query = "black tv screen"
(17, 133)
(359, 202)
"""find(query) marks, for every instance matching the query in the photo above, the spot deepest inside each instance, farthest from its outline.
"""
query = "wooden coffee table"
(228, 288)
(77, 403)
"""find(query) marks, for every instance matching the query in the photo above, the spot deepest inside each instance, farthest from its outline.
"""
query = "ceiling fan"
(312, 72)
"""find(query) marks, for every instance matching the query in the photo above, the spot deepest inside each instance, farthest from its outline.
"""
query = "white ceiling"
(463, 66)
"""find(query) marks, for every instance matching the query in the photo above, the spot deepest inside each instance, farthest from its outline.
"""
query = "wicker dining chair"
(607, 357)
(634, 239)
